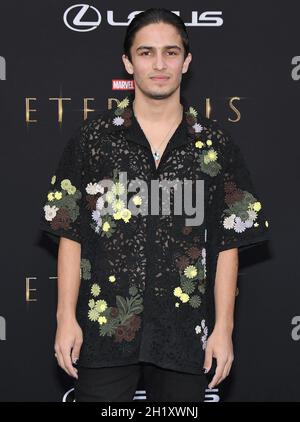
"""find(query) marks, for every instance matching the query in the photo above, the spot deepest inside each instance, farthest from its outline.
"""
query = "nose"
(159, 62)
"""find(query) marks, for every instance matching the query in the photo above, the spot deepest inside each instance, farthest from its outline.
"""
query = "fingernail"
(75, 360)
(205, 370)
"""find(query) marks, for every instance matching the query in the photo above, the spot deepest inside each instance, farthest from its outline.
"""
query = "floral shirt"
(147, 278)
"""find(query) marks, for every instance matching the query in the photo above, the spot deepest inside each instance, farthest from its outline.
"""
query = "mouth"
(159, 78)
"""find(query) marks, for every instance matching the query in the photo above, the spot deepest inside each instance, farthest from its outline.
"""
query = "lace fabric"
(147, 281)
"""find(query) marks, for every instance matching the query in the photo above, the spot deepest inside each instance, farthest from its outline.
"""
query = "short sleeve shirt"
(148, 260)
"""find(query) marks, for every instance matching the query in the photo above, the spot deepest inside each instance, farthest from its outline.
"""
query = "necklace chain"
(155, 151)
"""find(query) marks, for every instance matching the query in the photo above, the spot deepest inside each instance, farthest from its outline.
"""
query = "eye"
(144, 52)
(173, 52)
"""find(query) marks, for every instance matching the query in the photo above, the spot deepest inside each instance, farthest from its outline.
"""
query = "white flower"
(118, 121)
(228, 222)
(252, 215)
(248, 223)
(100, 203)
(203, 253)
(197, 127)
(198, 329)
(50, 212)
(239, 225)
(92, 188)
(96, 216)
(205, 332)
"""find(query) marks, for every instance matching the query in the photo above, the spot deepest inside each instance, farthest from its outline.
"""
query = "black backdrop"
(252, 60)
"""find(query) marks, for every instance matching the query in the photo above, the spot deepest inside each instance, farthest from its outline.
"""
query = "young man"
(149, 287)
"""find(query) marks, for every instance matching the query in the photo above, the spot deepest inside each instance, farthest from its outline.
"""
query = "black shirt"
(147, 280)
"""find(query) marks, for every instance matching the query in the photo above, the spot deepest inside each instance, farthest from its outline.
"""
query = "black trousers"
(119, 384)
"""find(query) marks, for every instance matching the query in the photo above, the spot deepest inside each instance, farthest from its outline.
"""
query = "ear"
(187, 62)
(127, 64)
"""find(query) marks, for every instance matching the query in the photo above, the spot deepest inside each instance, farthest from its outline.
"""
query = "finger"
(60, 360)
(218, 374)
(224, 373)
(208, 360)
(76, 351)
(228, 368)
(68, 363)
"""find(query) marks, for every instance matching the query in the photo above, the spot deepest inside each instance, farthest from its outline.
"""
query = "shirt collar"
(122, 118)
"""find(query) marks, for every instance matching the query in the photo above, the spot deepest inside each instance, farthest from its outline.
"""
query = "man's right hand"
(68, 343)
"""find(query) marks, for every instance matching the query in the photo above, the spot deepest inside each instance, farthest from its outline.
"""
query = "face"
(157, 60)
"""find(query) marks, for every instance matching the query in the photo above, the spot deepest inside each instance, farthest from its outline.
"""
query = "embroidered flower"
(209, 142)
(118, 121)
(126, 215)
(228, 222)
(190, 271)
(112, 278)
(50, 212)
(177, 292)
(100, 306)
(53, 179)
(102, 320)
(199, 144)
(184, 297)
(95, 289)
(118, 188)
(239, 225)
(118, 205)
(198, 128)
(137, 200)
(93, 315)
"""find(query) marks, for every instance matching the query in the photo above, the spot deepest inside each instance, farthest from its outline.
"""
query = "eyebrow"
(143, 47)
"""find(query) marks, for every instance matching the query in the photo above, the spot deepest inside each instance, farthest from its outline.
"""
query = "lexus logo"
(78, 24)
(74, 18)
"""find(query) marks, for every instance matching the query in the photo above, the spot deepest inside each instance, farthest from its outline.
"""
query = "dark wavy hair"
(155, 15)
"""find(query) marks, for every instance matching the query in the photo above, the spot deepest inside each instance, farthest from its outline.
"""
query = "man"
(142, 289)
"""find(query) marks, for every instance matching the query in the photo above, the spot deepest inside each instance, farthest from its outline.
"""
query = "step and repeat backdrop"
(60, 63)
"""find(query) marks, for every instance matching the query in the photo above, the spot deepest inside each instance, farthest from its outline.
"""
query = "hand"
(68, 343)
(219, 345)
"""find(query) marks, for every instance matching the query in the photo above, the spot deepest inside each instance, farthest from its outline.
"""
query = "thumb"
(207, 361)
(76, 351)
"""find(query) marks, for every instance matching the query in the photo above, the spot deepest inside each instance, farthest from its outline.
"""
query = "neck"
(151, 110)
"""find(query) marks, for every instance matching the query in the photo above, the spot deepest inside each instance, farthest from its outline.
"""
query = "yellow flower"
(118, 205)
(102, 320)
(58, 195)
(257, 206)
(124, 103)
(93, 315)
(190, 271)
(177, 305)
(118, 188)
(71, 190)
(95, 289)
(137, 200)
(126, 215)
(177, 292)
(255, 224)
(212, 155)
(66, 184)
(266, 223)
(117, 215)
(199, 144)
(112, 278)
(91, 303)
(100, 306)
(184, 297)
(193, 112)
(209, 142)
(51, 196)
(106, 226)
(53, 180)
(109, 196)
